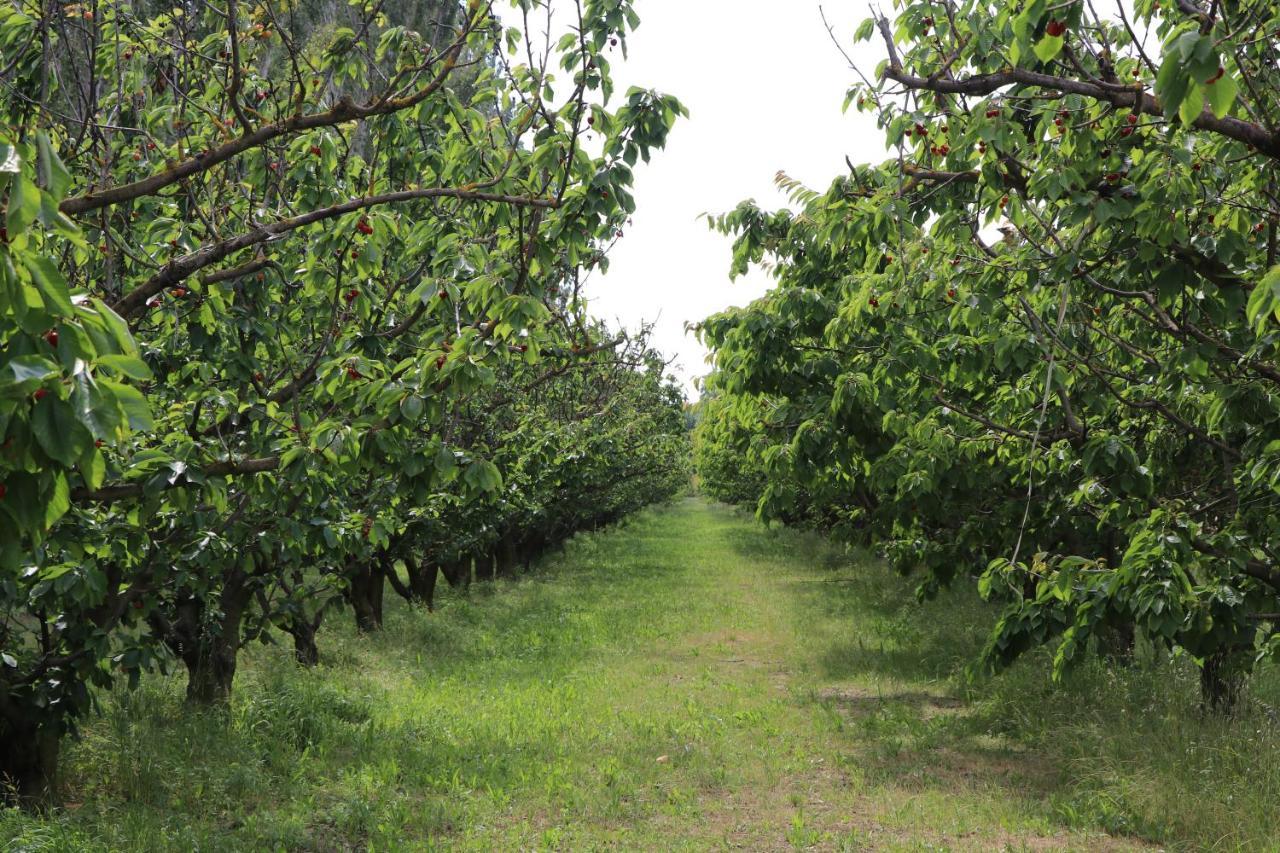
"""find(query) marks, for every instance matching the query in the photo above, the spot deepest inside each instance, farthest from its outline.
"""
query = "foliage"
(1082, 411)
(274, 285)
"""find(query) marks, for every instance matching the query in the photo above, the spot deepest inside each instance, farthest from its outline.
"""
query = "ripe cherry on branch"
(1056, 28)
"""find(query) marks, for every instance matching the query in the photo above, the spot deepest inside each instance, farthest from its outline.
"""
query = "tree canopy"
(290, 303)
(1036, 346)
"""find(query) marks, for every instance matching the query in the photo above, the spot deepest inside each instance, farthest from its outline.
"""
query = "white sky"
(764, 85)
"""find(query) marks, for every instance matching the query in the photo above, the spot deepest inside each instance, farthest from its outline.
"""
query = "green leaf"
(128, 365)
(59, 501)
(58, 432)
(93, 468)
(51, 285)
(24, 204)
(97, 409)
(53, 174)
(131, 402)
(31, 369)
(411, 408)
(116, 324)
(1222, 94)
(1048, 47)
(1192, 104)
(1265, 300)
(10, 162)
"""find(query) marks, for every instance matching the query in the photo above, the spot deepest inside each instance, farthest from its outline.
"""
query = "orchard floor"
(687, 681)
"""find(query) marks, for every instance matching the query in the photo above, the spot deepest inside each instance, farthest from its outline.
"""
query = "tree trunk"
(458, 572)
(305, 650)
(506, 556)
(1221, 682)
(365, 595)
(208, 650)
(28, 761)
(1117, 641)
(422, 582)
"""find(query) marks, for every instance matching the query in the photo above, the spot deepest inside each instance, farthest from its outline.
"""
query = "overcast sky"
(764, 85)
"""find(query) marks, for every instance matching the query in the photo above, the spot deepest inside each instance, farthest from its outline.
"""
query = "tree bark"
(365, 594)
(422, 582)
(209, 651)
(1221, 682)
(457, 572)
(305, 650)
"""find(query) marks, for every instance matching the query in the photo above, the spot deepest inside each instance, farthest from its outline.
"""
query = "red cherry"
(874, 303)
(443, 294)
(351, 295)
(41, 393)
(1113, 177)
(178, 292)
(98, 442)
(439, 362)
(1132, 118)
(1126, 131)
(355, 253)
(1056, 28)
(951, 293)
(51, 337)
(316, 151)
(993, 112)
(352, 373)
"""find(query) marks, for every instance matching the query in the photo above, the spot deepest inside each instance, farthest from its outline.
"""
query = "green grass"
(690, 680)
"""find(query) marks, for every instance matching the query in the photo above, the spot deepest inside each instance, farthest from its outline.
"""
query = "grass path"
(689, 681)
